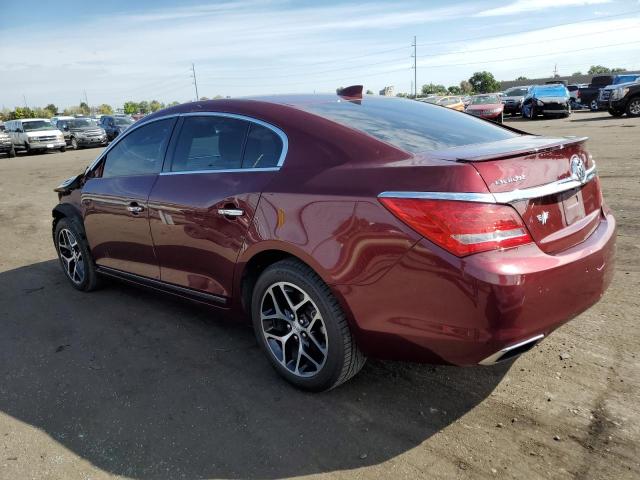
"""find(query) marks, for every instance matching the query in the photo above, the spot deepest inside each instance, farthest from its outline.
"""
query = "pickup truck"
(625, 98)
(588, 96)
(605, 93)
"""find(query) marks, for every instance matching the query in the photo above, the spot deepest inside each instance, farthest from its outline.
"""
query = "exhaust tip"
(512, 351)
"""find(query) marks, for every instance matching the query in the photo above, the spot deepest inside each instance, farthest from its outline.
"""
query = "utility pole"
(555, 71)
(25, 101)
(195, 81)
(415, 67)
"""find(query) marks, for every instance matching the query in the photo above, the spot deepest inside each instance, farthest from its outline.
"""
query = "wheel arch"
(66, 210)
(255, 260)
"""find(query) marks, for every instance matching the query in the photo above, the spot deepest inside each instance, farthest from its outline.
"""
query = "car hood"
(621, 85)
(486, 106)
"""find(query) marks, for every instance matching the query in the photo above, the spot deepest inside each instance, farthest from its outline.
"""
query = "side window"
(209, 143)
(263, 148)
(141, 152)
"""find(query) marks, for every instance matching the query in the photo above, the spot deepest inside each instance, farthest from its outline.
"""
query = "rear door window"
(263, 148)
(210, 143)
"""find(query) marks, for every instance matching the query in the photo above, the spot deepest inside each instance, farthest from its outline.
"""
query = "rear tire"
(302, 329)
(633, 107)
(74, 255)
(500, 119)
(593, 106)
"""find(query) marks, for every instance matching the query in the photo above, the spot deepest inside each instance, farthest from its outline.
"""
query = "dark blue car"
(547, 100)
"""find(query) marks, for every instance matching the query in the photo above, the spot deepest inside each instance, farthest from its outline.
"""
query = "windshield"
(80, 123)
(410, 125)
(516, 92)
(37, 125)
(625, 79)
(123, 121)
(551, 91)
(485, 100)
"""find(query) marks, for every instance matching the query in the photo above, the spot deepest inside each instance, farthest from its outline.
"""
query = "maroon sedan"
(347, 227)
(487, 106)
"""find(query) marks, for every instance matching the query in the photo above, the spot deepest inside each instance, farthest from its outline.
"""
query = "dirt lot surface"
(126, 383)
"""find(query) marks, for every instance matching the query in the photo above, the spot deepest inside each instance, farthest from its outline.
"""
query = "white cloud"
(521, 6)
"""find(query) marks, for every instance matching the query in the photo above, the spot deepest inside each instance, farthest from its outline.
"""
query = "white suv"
(32, 134)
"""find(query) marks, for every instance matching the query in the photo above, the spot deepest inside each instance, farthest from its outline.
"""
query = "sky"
(119, 50)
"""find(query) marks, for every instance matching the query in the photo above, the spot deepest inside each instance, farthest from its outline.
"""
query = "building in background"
(388, 91)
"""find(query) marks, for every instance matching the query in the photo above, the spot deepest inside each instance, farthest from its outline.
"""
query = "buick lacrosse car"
(346, 227)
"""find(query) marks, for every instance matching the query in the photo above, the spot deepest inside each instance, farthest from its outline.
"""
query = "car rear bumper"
(6, 147)
(434, 307)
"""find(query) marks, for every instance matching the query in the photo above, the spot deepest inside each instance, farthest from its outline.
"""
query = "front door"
(115, 200)
(203, 203)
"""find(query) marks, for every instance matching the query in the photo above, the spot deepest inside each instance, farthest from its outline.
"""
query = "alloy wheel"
(634, 107)
(293, 329)
(71, 256)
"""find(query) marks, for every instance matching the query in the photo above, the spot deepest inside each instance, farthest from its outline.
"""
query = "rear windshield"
(516, 92)
(410, 125)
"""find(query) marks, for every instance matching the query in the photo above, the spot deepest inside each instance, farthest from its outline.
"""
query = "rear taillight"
(462, 228)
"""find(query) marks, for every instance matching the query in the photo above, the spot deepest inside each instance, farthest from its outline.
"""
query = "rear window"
(410, 125)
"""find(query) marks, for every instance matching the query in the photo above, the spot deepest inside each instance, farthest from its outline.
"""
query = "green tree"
(202, 99)
(466, 87)
(143, 107)
(155, 105)
(598, 69)
(430, 88)
(403, 95)
(576, 74)
(521, 79)
(173, 104)
(370, 92)
(84, 108)
(21, 112)
(454, 90)
(105, 109)
(51, 108)
(484, 82)
(130, 107)
(618, 70)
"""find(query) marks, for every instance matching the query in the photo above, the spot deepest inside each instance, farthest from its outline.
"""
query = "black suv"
(114, 125)
(625, 99)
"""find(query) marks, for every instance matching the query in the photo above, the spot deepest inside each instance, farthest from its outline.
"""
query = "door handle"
(134, 208)
(230, 212)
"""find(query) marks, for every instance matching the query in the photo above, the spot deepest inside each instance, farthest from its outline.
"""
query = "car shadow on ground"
(150, 387)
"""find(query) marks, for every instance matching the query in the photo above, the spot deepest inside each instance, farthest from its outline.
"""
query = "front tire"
(302, 329)
(74, 255)
(633, 107)
(593, 106)
(12, 152)
(615, 113)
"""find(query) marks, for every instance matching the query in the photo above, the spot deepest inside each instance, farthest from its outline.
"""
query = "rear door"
(205, 199)
(114, 200)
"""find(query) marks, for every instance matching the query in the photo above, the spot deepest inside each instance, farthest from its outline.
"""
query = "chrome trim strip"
(225, 170)
(558, 186)
(462, 196)
(552, 188)
(493, 359)
(273, 128)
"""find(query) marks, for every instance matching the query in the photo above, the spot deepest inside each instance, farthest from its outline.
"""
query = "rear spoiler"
(514, 147)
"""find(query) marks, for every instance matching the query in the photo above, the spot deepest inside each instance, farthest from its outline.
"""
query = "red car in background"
(488, 106)
(347, 226)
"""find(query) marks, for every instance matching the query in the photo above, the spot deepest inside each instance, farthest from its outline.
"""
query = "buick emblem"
(543, 217)
(578, 171)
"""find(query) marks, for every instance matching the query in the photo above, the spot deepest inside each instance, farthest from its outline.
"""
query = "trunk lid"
(551, 182)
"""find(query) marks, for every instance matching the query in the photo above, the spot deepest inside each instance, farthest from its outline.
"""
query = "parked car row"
(596, 95)
(58, 133)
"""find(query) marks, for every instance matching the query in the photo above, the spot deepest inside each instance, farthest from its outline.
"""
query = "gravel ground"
(125, 383)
